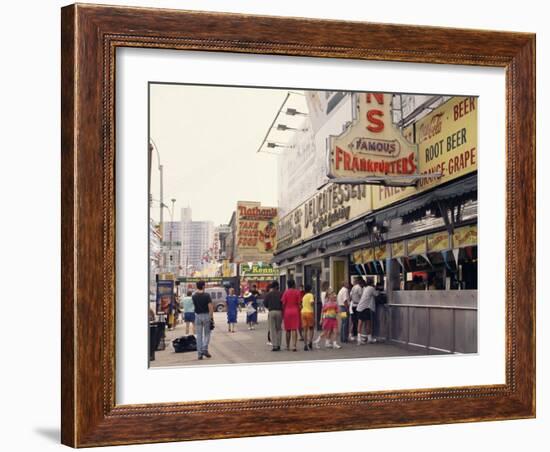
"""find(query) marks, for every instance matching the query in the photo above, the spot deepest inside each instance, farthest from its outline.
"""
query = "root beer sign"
(447, 141)
(256, 232)
(372, 145)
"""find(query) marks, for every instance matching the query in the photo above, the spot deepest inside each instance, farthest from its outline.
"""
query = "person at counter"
(365, 312)
(355, 296)
(343, 307)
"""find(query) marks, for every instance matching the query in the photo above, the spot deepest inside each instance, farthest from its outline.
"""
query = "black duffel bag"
(185, 344)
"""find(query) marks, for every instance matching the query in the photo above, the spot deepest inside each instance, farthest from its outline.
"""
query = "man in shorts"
(365, 311)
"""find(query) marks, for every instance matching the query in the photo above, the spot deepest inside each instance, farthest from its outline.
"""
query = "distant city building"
(197, 238)
(171, 247)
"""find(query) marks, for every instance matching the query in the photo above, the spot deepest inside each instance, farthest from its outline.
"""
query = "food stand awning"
(447, 193)
(455, 191)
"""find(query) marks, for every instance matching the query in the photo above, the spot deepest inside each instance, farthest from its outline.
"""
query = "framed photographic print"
(267, 221)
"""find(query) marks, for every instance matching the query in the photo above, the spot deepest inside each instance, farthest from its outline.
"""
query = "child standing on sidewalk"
(330, 322)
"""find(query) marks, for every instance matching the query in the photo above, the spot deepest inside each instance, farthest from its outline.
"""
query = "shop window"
(440, 270)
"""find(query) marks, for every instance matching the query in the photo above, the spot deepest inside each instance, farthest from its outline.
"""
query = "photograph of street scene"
(301, 225)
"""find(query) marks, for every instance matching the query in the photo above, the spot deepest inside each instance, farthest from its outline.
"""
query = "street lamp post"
(152, 146)
(171, 234)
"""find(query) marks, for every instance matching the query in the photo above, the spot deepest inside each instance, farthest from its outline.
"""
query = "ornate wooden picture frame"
(90, 37)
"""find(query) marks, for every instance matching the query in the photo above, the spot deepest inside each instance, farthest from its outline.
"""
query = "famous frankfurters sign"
(372, 146)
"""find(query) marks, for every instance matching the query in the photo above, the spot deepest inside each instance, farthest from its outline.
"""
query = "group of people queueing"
(294, 310)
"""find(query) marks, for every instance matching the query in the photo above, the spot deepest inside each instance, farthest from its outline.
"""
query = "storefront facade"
(418, 243)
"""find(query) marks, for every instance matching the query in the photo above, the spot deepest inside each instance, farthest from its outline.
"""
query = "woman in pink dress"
(291, 300)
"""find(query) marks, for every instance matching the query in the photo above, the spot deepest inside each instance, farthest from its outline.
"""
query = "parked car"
(218, 295)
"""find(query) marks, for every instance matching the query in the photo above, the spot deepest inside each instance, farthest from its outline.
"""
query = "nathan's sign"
(447, 141)
(328, 208)
(256, 236)
(372, 145)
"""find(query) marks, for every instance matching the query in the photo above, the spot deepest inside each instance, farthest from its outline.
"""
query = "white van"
(218, 295)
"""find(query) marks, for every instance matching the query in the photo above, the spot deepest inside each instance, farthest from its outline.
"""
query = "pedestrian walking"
(188, 313)
(307, 314)
(343, 299)
(231, 303)
(291, 300)
(251, 309)
(330, 322)
(204, 319)
(274, 305)
(259, 301)
(301, 328)
(365, 313)
(355, 296)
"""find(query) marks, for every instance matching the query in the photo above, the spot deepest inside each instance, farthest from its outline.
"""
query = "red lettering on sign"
(339, 153)
(346, 161)
(464, 107)
(378, 96)
(376, 124)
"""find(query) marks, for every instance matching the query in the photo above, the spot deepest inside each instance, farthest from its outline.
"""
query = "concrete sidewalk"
(250, 346)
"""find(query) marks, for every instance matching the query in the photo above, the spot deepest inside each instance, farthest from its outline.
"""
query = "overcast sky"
(207, 138)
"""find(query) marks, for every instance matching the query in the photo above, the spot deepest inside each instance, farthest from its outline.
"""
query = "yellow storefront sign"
(416, 246)
(380, 253)
(398, 249)
(357, 257)
(447, 144)
(438, 241)
(331, 207)
(368, 255)
(465, 236)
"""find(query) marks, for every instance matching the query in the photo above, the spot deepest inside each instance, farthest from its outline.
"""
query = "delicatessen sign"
(330, 207)
(256, 234)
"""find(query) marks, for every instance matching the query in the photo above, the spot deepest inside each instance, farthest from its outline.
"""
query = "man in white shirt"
(355, 296)
(343, 300)
(365, 312)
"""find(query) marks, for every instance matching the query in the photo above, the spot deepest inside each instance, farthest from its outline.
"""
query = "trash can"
(156, 337)
(153, 335)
